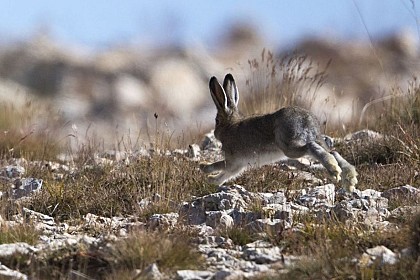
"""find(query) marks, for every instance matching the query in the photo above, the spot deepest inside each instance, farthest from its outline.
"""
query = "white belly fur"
(261, 159)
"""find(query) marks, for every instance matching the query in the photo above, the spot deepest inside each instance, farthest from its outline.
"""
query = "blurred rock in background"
(127, 87)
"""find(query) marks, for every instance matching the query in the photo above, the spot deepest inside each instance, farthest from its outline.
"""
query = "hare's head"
(226, 99)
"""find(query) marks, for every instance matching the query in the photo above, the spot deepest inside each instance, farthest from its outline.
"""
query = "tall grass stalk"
(275, 83)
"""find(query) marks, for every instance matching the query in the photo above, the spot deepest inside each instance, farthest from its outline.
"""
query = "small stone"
(226, 221)
(404, 213)
(12, 171)
(192, 213)
(168, 220)
(403, 193)
(364, 134)
(228, 275)
(343, 211)
(262, 255)
(194, 275)
(277, 198)
(385, 255)
(318, 196)
(151, 272)
(193, 151)
(25, 187)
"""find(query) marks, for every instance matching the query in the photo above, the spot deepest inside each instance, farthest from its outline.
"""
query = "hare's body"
(291, 132)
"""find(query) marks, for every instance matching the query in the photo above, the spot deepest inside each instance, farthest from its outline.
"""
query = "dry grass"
(170, 251)
(19, 233)
(397, 106)
(31, 132)
(333, 250)
(276, 83)
(110, 190)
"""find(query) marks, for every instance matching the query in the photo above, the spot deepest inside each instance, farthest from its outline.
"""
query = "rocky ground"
(265, 221)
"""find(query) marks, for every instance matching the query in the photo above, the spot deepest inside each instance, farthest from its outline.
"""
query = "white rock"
(263, 255)
(226, 221)
(370, 193)
(194, 275)
(406, 192)
(168, 220)
(7, 273)
(131, 92)
(385, 255)
(318, 196)
(193, 151)
(23, 248)
(364, 134)
(151, 272)
(12, 171)
(26, 187)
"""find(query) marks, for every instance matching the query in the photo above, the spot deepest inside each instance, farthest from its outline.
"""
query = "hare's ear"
(231, 90)
(218, 94)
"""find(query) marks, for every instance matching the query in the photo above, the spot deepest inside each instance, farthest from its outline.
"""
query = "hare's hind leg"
(349, 172)
(327, 160)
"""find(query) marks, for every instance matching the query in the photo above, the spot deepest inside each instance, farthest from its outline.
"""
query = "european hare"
(290, 132)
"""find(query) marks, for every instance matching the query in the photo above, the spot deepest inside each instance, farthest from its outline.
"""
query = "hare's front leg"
(225, 171)
(218, 166)
(213, 167)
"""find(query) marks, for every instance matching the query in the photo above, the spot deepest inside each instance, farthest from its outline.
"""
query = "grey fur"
(290, 132)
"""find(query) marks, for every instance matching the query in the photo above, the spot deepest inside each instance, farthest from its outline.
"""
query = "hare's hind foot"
(349, 172)
(326, 159)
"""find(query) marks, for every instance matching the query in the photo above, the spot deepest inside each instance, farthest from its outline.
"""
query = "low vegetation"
(19, 233)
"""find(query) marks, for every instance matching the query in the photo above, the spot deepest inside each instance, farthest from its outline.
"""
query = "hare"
(290, 132)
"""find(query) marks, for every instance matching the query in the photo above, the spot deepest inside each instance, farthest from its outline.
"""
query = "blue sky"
(98, 23)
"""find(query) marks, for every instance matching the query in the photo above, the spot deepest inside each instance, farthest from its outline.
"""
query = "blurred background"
(133, 67)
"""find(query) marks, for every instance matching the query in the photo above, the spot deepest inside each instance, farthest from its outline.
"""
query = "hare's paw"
(349, 178)
(334, 169)
(216, 179)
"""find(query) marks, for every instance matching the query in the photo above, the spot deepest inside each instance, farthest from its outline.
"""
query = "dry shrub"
(31, 132)
(19, 233)
(330, 250)
(276, 83)
(138, 250)
(398, 106)
(170, 251)
(117, 189)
